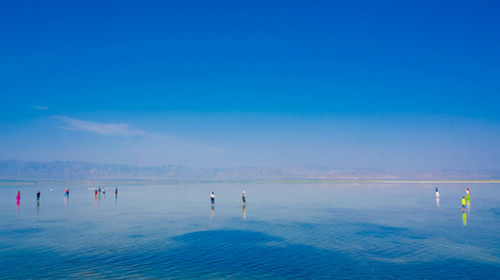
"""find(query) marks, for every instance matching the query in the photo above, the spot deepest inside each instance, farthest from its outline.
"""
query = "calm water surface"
(286, 230)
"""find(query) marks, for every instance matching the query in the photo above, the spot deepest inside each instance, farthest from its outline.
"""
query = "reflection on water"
(18, 201)
(315, 231)
(468, 210)
(437, 202)
(65, 202)
(244, 210)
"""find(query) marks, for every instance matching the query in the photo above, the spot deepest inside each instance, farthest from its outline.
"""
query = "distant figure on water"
(212, 198)
(103, 190)
(463, 204)
(467, 196)
(244, 197)
(66, 192)
(95, 192)
(38, 196)
(437, 192)
(116, 191)
(99, 190)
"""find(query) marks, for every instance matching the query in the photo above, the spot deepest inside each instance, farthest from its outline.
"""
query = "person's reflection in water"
(18, 201)
(244, 211)
(212, 211)
(437, 202)
(38, 202)
(65, 202)
(464, 218)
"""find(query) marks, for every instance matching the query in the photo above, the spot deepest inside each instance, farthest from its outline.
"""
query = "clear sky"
(375, 84)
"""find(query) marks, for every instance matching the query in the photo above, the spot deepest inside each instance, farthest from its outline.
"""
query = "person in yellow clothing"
(463, 204)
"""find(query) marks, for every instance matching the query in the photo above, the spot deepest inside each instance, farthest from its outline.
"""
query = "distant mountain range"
(69, 170)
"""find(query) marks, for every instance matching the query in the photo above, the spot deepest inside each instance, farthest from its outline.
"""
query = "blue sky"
(381, 84)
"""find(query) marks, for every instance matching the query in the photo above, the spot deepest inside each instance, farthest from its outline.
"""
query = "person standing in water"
(18, 197)
(244, 197)
(212, 198)
(437, 192)
(37, 201)
(116, 191)
(467, 196)
(463, 204)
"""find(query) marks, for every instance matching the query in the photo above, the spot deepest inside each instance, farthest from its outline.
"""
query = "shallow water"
(286, 230)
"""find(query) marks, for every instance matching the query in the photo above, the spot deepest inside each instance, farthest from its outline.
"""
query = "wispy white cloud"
(133, 146)
(37, 107)
(120, 129)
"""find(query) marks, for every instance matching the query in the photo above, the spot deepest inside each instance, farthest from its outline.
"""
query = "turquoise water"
(286, 231)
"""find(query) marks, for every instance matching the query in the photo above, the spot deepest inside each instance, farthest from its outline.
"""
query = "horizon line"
(20, 182)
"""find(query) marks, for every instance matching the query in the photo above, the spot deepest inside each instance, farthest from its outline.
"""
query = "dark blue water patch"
(216, 237)
(20, 232)
(244, 253)
(135, 236)
(306, 226)
(381, 231)
(247, 254)
(229, 254)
